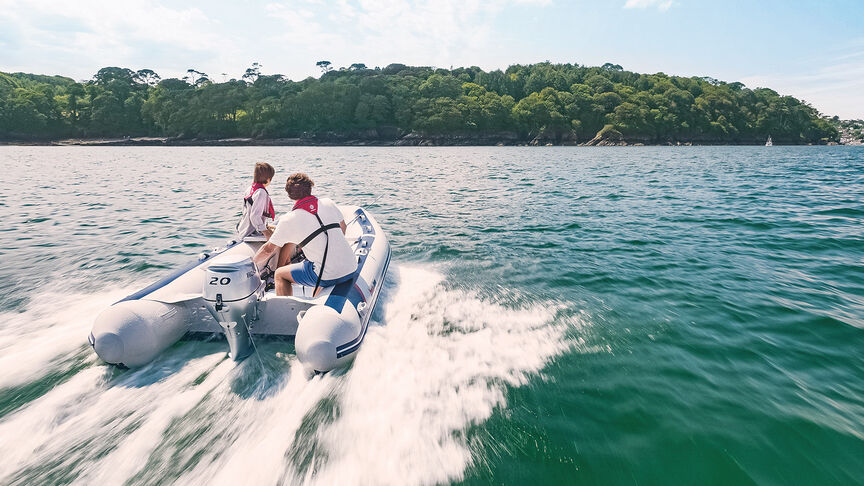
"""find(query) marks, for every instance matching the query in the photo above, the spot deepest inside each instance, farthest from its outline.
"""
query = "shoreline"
(408, 141)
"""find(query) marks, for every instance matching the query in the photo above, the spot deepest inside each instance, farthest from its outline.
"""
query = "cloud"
(834, 84)
(662, 5)
(286, 36)
(436, 32)
(89, 33)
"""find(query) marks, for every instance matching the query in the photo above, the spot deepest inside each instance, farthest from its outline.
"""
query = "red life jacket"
(308, 203)
(270, 212)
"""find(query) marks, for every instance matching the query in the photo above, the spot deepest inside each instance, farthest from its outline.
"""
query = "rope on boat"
(251, 340)
(257, 354)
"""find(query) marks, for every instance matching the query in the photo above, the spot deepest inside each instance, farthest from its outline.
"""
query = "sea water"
(553, 315)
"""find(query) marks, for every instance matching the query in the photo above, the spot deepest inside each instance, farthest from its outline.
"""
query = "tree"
(394, 68)
(439, 115)
(252, 73)
(371, 111)
(109, 74)
(195, 78)
(629, 118)
(601, 84)
(441, 86)
(486, 111)
(550, 101)
(107, 114)
(148, 77)
(76, 95)
(547, 113)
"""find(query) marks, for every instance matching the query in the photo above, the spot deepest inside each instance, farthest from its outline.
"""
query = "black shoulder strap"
(317, 232)
(246, 200)
(322, 229)
(249, 200)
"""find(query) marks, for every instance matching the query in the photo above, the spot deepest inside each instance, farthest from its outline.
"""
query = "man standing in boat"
(317, 227)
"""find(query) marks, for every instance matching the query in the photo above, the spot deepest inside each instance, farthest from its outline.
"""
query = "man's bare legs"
(283, 280)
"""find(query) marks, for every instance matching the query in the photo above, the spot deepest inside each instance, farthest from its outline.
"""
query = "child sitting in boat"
(257, 205)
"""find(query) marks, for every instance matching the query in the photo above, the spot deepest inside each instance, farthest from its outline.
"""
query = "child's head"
(263, 172)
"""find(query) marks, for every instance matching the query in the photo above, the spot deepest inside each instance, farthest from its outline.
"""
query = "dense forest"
(552, 103)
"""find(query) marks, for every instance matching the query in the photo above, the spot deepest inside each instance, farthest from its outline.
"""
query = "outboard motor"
(232, 289)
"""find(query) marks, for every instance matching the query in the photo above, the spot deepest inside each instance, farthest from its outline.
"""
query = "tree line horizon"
(543, 101)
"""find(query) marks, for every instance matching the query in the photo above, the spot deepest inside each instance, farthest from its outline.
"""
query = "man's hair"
(298, 186)
(263, 172)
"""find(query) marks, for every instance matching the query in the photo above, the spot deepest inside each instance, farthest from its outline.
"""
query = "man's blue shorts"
(303, 273)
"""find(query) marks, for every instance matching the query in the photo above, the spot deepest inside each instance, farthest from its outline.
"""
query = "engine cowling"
(232, 289)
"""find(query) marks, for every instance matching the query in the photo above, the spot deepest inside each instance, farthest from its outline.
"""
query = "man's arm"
(286, 254)
(264, 254)
(342, 225)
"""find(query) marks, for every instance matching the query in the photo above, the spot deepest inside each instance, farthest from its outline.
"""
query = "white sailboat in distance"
(769, 143)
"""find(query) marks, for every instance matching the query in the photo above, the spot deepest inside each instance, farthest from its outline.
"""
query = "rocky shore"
(375, 138)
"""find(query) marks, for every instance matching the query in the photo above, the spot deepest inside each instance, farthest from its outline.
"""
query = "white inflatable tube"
(328, 328)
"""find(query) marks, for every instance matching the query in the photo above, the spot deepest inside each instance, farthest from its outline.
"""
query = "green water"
(645, 315)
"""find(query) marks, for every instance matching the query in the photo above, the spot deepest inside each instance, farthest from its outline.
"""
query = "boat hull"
(328, 328)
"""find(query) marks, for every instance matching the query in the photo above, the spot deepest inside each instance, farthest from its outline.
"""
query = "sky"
(813, 50)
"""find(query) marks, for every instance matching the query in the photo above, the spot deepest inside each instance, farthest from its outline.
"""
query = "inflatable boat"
(221, 293)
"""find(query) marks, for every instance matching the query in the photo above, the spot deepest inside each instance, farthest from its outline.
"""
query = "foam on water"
(123, 461)
(263, 432)
(68, 431)
(722, 284)
(438, 363)
(438, 366)
(51, 330)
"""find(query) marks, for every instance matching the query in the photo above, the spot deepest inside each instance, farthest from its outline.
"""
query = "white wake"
(438, 363)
